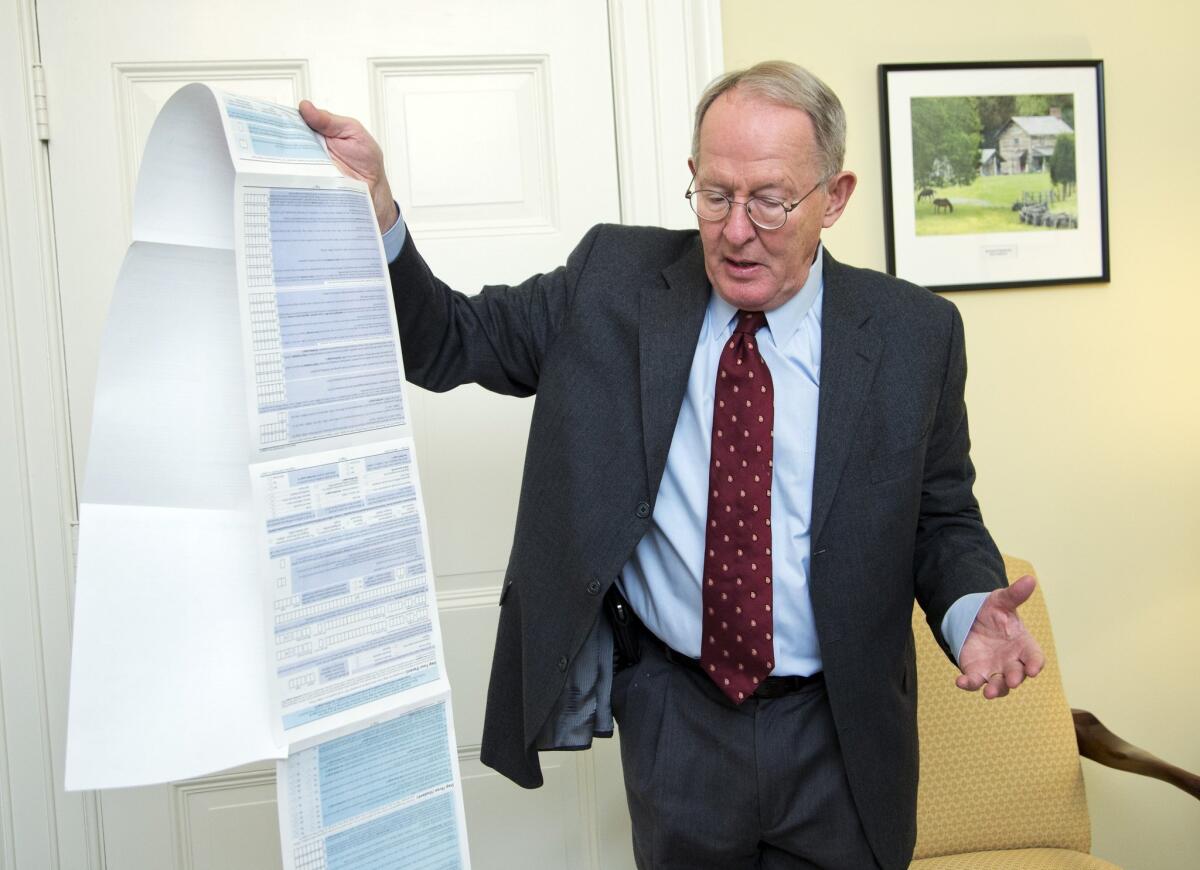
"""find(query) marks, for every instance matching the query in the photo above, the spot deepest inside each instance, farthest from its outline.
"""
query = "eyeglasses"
(765, 212)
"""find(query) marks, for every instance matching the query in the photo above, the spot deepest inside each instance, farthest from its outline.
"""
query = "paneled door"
(497, 124)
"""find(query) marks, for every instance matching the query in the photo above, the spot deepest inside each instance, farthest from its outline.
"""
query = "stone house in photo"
(1026, 143)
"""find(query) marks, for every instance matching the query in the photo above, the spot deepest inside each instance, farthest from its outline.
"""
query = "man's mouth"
(740, 266)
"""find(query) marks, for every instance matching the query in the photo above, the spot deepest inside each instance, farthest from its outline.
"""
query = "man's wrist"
(957, 622)
(387, 213)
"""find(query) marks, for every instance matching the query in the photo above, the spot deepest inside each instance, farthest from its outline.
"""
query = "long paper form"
(254, 572)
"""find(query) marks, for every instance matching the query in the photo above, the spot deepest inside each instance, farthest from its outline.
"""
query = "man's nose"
(738, 229)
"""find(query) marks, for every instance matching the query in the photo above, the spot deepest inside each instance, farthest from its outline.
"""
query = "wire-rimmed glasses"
(766, 212)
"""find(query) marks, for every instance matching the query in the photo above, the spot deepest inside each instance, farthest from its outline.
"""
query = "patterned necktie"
(737, 650)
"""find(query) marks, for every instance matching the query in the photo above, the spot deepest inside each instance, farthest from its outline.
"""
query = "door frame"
(674, 45)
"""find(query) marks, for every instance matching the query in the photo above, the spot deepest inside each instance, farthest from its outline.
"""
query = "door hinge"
(40, 112)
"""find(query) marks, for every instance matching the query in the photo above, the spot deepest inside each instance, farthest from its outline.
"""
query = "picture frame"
(994, 173)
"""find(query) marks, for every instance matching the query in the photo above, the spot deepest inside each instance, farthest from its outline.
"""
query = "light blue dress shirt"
(662, 579)
(393, 239)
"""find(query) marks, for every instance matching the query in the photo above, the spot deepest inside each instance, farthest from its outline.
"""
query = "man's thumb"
(316, 118)
(1018, 593)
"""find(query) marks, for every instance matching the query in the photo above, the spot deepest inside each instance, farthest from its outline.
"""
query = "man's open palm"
(999, 653)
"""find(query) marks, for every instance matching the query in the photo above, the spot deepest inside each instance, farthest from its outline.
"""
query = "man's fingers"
(997, 686)
(1034, 662)
(971, 682)
(1014, 674)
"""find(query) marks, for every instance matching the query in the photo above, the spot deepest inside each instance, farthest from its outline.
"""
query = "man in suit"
(745, 460)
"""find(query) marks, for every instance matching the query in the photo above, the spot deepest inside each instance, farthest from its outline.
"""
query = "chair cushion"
(1015, 859)
(1001, 774)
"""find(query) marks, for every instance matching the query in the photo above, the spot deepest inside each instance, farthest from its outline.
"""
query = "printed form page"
(322, 335)
(351, 601)
(268, 132)
(376, 797)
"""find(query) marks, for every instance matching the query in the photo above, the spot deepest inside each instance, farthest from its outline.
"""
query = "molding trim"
(468, 599)
(664, 52)
(8, 367)
(50, 828)
(251, 777)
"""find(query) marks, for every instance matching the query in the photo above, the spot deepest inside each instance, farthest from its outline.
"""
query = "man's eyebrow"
(778, 187)
(778, 190)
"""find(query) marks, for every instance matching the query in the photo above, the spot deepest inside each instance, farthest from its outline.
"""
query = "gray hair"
(787, 84)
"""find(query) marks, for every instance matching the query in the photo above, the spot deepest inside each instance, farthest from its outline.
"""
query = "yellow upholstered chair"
(984, 806)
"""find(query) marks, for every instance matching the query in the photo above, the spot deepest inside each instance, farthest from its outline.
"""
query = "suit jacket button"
(562, 663)
(593, 587)
(643, 510)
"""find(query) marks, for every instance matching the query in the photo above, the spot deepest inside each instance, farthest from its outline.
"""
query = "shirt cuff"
(393, 239)
(957, 622)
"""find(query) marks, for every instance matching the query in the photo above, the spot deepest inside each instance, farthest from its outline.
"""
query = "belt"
(771, 687)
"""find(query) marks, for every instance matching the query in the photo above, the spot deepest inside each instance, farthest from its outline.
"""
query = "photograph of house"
(995, 163)
(1026, 143)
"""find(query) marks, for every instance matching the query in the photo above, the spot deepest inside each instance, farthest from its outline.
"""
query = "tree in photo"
(995, 113)
(946, 141)
(1062, 164)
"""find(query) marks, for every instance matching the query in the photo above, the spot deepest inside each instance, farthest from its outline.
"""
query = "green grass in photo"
(985, 206)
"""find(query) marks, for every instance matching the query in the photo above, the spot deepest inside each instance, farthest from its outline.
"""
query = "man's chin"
(749, 295)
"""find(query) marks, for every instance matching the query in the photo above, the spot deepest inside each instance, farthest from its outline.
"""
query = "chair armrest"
(1101, 745)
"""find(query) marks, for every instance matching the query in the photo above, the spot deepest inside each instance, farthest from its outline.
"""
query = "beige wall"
(1084, 400)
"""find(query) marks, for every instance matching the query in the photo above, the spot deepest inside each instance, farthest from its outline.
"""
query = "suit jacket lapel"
(850, 351)
(668, 325)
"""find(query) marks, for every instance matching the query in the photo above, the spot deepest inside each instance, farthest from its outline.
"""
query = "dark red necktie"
(737, 649)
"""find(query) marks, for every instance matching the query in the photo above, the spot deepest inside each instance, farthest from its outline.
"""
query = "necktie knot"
(750, 322)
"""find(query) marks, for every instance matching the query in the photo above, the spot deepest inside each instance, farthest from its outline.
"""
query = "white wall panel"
(469, 143)
(469, 618)
(544, 828)
(220, 822)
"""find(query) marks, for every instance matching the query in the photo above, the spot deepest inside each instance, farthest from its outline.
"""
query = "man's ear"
(691, 166)
(837, 194)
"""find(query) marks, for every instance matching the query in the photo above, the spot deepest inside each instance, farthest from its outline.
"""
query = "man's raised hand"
(999, 653)
(357, 155)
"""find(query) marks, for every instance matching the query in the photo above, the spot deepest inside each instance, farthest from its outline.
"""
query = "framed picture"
(994, 173)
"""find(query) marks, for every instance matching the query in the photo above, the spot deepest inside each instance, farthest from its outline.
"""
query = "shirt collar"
(784, 320)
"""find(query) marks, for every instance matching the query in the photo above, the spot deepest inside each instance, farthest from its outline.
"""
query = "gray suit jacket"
(605, 343)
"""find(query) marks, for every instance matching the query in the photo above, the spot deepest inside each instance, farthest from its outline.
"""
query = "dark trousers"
(713, 785)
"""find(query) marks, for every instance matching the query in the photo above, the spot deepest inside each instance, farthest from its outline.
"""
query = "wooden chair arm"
(1101, 745)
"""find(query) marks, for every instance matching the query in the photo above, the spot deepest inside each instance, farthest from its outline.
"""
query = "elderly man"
(745, 461)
